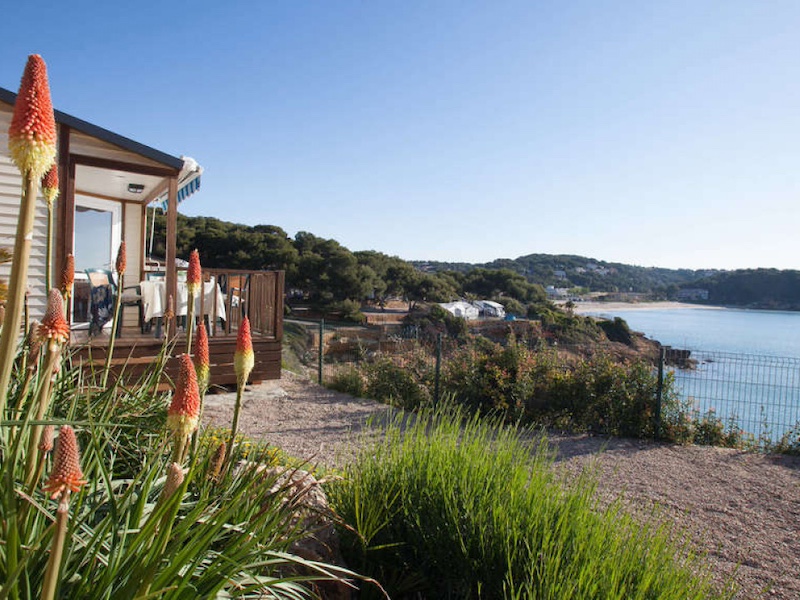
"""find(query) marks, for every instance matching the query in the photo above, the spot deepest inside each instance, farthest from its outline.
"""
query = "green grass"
(462, 507)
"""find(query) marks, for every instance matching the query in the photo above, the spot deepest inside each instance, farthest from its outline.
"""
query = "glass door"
(98, 234)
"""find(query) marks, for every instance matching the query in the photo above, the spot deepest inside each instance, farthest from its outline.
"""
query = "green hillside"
(328, 274)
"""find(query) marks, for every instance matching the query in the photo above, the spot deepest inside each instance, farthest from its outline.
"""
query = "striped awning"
(188, 183)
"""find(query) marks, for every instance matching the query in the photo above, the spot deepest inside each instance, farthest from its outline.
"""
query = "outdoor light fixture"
(135, 188)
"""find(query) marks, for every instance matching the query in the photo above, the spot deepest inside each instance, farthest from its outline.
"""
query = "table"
(154, 299)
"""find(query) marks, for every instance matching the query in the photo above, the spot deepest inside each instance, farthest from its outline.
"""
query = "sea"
(768, 332)
(747, 362)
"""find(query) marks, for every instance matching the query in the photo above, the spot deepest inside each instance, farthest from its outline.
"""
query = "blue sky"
(651, 133)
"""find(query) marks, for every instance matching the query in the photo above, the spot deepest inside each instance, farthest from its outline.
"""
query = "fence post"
(321, 348)
(660, 388)
(438, 370)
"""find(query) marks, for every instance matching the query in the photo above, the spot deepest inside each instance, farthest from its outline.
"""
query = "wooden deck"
(259, 294)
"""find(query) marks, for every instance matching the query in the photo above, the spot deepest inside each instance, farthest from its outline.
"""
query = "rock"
(315, 517)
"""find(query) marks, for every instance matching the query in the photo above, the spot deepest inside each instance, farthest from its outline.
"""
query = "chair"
(102, 297)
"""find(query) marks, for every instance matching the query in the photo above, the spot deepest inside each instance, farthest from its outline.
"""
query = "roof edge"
(105, 135)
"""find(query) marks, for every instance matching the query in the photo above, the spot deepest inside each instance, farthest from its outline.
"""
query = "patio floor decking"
(259, 294)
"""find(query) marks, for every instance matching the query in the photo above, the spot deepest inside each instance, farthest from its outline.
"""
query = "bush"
(349, 380)
(449, 506)
(617, 330)
(395, 385)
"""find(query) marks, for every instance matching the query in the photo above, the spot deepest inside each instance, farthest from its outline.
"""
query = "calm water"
(748, 361)
(774, 333)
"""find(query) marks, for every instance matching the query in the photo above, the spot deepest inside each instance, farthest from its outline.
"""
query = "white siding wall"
(132, 230)
(10, 194)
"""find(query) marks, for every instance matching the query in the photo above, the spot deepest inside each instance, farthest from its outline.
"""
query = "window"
(98, 233)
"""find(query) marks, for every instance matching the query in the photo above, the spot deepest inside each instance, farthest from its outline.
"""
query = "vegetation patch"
(452, 506)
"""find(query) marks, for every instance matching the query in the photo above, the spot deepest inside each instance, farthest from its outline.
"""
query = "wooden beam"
(277, 305)
(65, 219)
(118, 165)
(143, 241)
(172, 237)
(105, 197)
(156, 192)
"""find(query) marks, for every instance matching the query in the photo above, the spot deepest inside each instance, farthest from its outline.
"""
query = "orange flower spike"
(32, 134)
(183, 414)
(122, 259)
(243, 358)
(50, 184)
(66, 475)
(170, 312)
(202, 359)
(68, 276)
(194, 274)
(174, 480)
(46, 443)
(54, 326)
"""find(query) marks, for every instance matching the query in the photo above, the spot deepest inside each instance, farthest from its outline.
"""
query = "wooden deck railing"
(257, 294)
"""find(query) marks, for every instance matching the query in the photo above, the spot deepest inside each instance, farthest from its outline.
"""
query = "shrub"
(448, 506)
(395, 385)
(349, 380)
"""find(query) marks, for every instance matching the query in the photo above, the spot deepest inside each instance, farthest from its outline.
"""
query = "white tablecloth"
(154, 299)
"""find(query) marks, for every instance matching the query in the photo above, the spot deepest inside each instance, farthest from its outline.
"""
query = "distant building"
(560, 274)
(487, 308)
(461, 309)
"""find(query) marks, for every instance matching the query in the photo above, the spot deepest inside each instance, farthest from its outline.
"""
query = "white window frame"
(115, 208)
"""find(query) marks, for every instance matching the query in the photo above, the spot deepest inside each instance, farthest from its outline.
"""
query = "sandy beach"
(593, 307)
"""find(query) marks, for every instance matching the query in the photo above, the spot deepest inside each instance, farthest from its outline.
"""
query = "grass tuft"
(451, 506)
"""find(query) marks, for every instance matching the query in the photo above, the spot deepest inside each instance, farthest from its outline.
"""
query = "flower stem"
(235, 424)
(41, 405)
(49, 248)
(17, 285)
(57, 550)
(189, 322)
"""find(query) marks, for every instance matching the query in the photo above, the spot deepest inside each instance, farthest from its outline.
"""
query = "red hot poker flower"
(183, 414)
(50, 184)
(68, 276)
(194, 274)
(202, 359)
(243, 358)
(122, 259)
(32, 134)
(66, 475)
(174, 480)
(46, 443)
(54, 326)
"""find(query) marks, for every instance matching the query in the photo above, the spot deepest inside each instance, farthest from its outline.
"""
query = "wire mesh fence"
(756, 395)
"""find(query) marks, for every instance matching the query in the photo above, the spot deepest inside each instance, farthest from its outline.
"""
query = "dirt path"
(742, 509)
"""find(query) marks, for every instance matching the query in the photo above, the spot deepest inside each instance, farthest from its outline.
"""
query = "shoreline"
(595, 307)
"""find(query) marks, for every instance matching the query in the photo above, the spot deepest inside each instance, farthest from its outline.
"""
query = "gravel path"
(742, 509)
